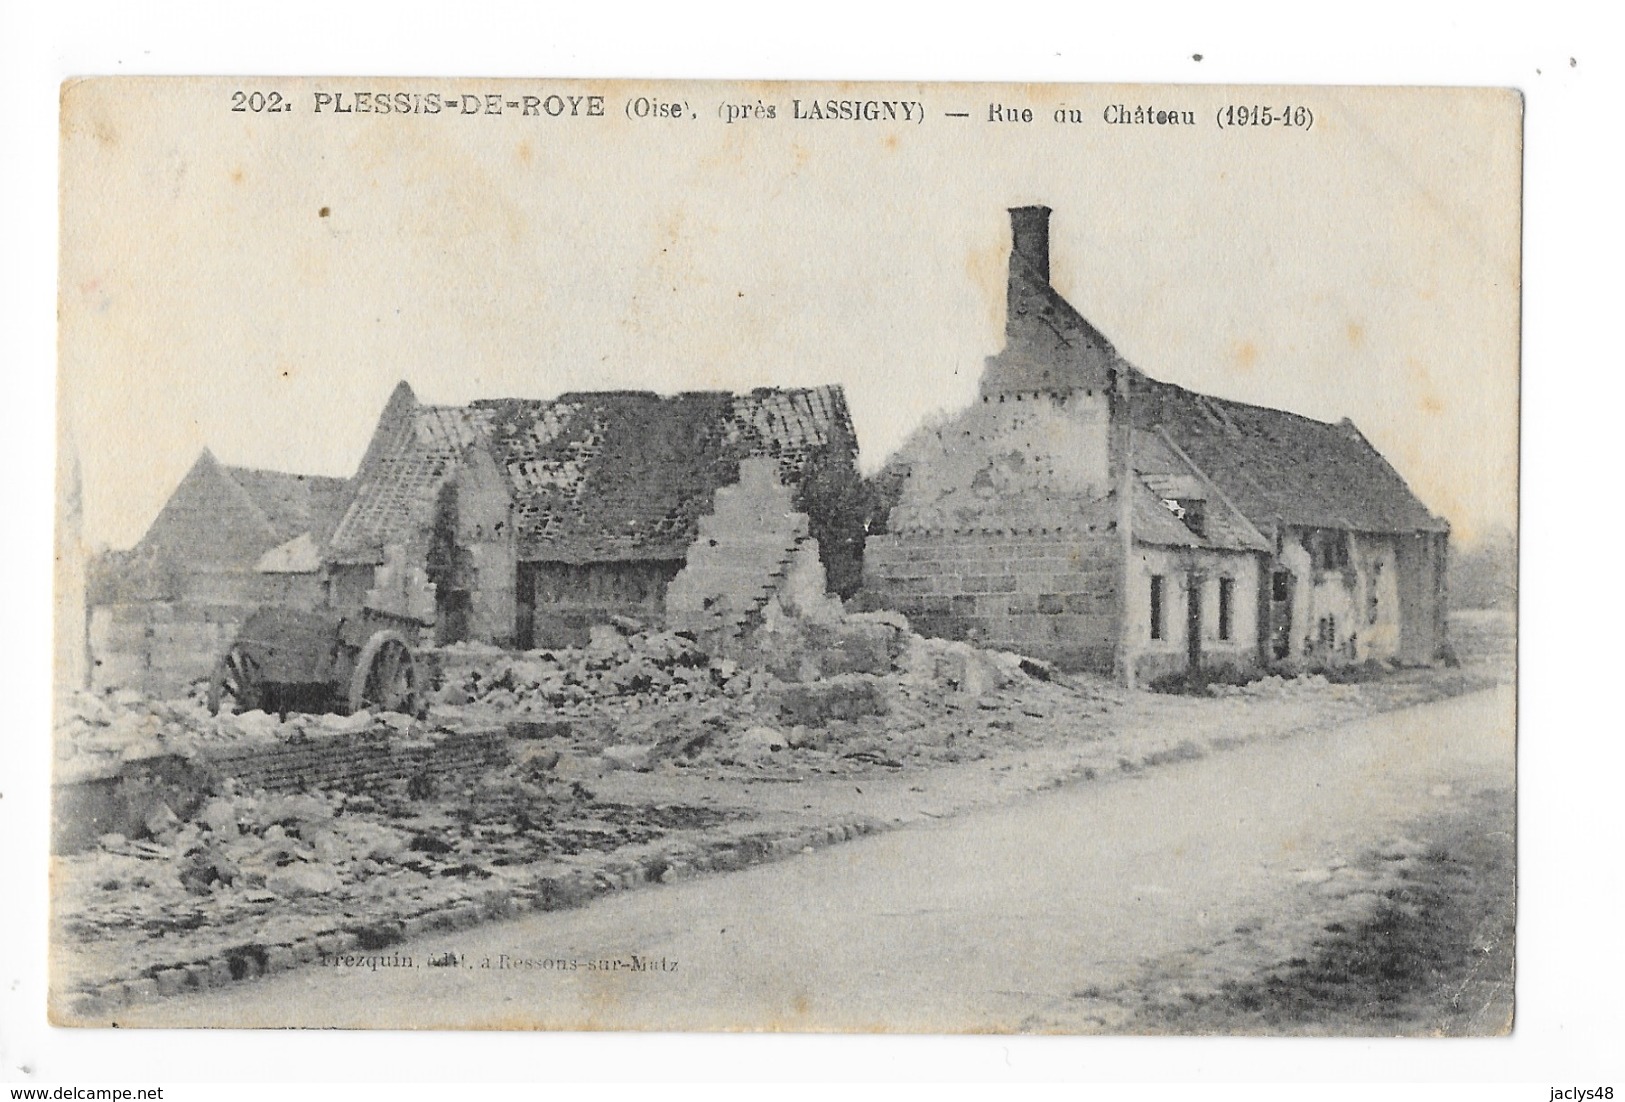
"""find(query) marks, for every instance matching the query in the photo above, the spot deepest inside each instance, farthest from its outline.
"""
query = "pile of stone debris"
(1276, 686)
(254, 867)
(623, 662)
(242, 867)
(832, 694)
(98, 733)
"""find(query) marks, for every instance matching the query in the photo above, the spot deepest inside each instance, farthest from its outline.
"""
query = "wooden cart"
(319, 661)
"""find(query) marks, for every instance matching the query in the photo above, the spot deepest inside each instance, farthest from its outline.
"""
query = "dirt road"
(992, 921)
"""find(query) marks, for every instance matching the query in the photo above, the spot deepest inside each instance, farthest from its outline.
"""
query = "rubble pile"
(96, 733)
(1278, 687)
(258, 868)
(622, 663)
(240, 867)
(831, 693)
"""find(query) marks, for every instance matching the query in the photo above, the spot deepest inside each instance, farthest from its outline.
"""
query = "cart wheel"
(385, 678)
(237, 685)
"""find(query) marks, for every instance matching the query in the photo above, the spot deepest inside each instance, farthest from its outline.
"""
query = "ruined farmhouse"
(1085, 512)
(525, 522)
(516, 522)
(1079, 511)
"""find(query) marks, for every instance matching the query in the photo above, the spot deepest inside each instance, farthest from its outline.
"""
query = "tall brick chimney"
(1048, 346)
(1029, 240)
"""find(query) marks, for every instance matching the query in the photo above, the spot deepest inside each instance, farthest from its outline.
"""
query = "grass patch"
(1197, 682)
(1434, 958)
(1186, 750)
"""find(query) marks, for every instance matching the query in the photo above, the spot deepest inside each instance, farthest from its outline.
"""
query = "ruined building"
(228, 540)
(516, 522)
(1084, 512)
(525, 522)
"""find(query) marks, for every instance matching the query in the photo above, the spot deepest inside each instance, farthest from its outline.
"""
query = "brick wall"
(351, 762)
(358, 760)
(1050, 596)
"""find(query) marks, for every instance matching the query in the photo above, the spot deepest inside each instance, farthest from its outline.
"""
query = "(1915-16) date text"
(1233, 115)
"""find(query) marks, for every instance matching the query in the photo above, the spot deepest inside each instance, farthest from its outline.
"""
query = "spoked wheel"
(385, 678)
(237, 685)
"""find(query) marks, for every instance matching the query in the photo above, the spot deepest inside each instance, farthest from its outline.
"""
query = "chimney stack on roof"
(1029, 240)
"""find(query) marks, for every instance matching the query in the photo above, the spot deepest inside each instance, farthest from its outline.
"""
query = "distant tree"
(836, 502)
(1485, 574)
(883, 489)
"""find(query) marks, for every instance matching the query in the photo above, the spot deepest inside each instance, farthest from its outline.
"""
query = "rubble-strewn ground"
(634, 758)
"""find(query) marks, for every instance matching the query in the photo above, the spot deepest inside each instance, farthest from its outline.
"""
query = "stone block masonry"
(1050, 595)
(159, 647)
(748, 550)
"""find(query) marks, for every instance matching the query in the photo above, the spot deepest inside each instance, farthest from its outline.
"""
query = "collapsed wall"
(751, 548)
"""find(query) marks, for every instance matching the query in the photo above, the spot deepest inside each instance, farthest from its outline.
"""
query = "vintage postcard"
(555, 554)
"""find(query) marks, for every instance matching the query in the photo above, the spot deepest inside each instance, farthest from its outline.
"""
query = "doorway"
(1281, 614)
(1193, 623)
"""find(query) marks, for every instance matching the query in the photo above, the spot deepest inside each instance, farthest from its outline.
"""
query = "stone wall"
(1365, 609)
(752, 546)
(1010, 461)
(1423, 592)
(1167, 651)
(159, 646)
(472, 557)
(560, 602)
(1051, 596)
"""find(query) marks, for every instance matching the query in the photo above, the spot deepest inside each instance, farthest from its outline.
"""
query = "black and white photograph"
(798, 557)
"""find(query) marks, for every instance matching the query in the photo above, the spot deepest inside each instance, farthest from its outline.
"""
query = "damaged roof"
(1282, 468)
(1276, 468)
(414, 451)
(593, 476)
(1167, 475)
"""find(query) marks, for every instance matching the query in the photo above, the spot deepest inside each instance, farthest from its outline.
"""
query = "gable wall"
(1009, 462)
(1423, 595)
(209, 523)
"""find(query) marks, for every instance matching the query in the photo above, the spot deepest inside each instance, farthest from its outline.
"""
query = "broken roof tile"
(592, 476)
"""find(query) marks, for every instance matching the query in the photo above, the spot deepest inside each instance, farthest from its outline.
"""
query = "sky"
(257, 283)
